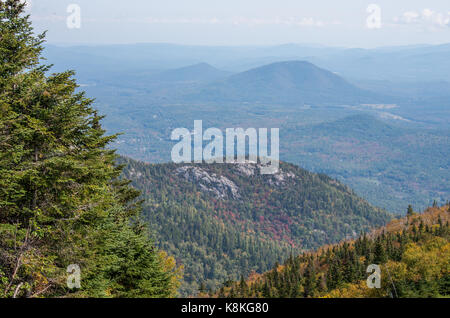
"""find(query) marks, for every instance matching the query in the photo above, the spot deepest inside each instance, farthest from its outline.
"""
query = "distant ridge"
(287, 82)
(201, 72)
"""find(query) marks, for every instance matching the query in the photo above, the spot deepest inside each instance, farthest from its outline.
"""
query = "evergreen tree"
(380, 256)
(243, 287)
(410, 210)
(60, 201)
(310, 280)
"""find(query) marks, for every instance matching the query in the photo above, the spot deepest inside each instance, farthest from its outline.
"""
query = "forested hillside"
(224, 220)
(61, 205)
(413, 254)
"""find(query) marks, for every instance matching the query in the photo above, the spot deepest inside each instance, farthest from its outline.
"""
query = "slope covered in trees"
(223, 220)
(413, 254)
(61, 205)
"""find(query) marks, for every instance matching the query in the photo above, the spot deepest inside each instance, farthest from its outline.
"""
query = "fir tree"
(380, 256)
(410, 210)
(60, 201)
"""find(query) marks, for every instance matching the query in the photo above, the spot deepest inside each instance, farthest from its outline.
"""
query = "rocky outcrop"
(251, 169)
(280, 178)
(246, 169)
(220, 186)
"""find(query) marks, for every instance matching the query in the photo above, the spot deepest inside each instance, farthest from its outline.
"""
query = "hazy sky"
(245, 22)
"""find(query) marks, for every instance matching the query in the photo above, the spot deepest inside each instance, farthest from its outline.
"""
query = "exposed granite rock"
(247, 169)
(220, 186)
(280, 177)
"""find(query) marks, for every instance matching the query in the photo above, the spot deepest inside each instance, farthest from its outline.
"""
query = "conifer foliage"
(413, 254)
(60, 201)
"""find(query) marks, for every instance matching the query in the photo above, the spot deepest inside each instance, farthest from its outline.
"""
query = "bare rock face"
(220, 186)
(280, 178)
(252, 169)
(247, 169)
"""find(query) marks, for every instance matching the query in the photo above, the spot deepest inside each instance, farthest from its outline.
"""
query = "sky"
(349, 23)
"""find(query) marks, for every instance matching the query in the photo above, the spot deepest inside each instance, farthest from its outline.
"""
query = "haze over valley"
(363, 116)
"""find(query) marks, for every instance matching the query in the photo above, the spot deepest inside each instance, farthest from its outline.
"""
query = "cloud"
(269, 21)
(289, 21)
(238, 21)
(410, 16)
(309, 22)
(427, 19)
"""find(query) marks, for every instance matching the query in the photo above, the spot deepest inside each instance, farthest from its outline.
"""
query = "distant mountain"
(170, 56)
(397, 64)
(402, 63)
(287, 82)
(201, 72)
(223, 220)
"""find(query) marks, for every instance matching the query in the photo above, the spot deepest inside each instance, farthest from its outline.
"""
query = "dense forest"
(413, 254)
(62, 206)
(225, 220)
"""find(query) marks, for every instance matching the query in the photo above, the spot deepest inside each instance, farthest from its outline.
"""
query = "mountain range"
(402, 63)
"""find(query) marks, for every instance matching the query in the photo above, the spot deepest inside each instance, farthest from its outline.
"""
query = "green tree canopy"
(60, 201)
